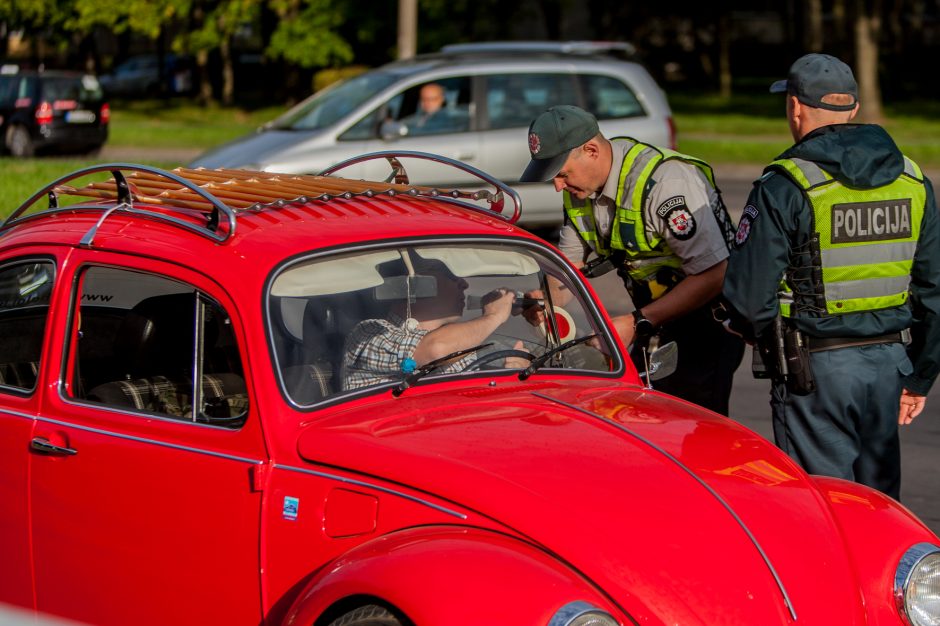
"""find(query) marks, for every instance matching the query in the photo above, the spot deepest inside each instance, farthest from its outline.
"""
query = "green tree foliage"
(306, 34)
(144, 17)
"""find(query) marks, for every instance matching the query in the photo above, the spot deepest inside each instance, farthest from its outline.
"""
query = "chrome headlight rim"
(905, 570)
(571, 613)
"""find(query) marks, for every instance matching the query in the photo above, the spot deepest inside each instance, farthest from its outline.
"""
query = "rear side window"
(609, 98)
(514, 100)
(25, 290)
(82, 89)
(143, 339)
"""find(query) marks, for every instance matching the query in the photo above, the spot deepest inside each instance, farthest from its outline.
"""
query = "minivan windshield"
(332, 104)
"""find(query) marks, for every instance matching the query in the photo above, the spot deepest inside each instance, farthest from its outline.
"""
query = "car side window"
(8, 89)
(368, 127)
(143, 339)
(609, 98)
(435, 107)
(514, 100)
(25, 290)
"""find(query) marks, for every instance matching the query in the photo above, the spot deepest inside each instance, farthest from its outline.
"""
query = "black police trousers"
(848, 427)
(708, 358)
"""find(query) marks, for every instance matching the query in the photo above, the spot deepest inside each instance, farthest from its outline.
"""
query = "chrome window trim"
(688, 470)
(156, 442)
(362, 483)
(14, 413)
(902, 575)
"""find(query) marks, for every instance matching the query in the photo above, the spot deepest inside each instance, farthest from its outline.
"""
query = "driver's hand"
(535, 314)
(516, 362)
(498, 303)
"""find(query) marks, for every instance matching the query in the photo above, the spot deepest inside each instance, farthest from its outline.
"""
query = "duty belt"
(818, 344)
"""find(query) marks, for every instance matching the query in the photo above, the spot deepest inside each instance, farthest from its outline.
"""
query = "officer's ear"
(591, 148)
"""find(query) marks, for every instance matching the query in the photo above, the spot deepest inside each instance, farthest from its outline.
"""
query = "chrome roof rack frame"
(125, 202)
(399, 176)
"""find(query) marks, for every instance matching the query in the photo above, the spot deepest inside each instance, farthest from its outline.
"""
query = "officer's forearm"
(688, 295)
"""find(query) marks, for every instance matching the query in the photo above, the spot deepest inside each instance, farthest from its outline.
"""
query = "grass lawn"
(749, 129)
(174, 124)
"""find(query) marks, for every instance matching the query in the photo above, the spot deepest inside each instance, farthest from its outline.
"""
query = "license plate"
(79, 117)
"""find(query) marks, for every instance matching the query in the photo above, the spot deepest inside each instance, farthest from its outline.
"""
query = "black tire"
(19, 143)
(368, 615)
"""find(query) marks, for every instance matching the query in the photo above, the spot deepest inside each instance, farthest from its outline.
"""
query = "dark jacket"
(777, 225)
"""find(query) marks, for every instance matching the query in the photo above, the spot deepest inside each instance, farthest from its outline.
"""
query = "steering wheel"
(494, 356)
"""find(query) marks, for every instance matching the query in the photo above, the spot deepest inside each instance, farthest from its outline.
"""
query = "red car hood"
(681, 516)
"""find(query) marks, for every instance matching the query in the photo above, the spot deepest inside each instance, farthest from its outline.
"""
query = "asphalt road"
(920, 442)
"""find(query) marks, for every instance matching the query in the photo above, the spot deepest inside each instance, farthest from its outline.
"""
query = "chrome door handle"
(44, 446)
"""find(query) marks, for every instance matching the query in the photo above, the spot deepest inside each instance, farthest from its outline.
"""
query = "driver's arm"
(461, 335)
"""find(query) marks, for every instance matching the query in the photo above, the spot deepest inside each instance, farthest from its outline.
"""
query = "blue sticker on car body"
(291, 506)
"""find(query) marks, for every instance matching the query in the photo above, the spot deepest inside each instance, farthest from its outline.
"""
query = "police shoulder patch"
(672, 203)
(681, 223)
(744, 230)
(751, 211)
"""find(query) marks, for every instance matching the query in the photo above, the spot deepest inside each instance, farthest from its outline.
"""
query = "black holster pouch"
(800, 381)
(784, 356)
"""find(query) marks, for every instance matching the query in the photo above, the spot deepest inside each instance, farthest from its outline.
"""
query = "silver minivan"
(491, 93)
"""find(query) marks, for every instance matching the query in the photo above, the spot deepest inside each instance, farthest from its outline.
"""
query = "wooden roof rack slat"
(217, 193)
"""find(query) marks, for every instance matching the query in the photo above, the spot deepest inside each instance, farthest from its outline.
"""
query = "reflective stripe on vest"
(867, 238)
(628, 230)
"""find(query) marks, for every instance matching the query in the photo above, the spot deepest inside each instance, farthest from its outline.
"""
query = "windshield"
(334, 103)
(354, 321)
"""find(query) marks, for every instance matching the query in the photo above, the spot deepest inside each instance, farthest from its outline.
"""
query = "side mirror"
(661, 362)
(390, 131)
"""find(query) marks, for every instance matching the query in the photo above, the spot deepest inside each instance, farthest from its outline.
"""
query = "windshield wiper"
(430, 366)
(543, 358)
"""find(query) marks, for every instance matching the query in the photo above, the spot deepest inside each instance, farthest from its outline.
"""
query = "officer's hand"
(534, 314)
(624, 327)
(911, 406)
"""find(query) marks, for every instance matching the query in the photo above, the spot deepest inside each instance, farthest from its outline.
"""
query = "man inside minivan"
(432, 115)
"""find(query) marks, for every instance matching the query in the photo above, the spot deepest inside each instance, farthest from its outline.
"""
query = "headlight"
(582, 614)
(917, 585)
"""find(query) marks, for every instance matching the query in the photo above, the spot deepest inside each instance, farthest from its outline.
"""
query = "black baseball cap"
(552, 136)
(814, 76)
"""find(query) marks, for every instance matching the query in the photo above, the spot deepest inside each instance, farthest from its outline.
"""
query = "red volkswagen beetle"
(230, 397)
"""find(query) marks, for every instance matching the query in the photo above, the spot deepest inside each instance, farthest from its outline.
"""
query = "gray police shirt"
(679, 208)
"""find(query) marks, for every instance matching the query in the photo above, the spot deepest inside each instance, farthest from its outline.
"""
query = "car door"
(26, 288)
(143, 507)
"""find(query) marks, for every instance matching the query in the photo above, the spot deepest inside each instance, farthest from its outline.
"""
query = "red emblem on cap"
(535, 144)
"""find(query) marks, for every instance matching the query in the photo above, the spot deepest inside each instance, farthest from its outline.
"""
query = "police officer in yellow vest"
(836, 273)
(656, 217)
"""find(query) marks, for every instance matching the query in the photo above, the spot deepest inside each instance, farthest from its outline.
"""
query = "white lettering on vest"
(871, 221)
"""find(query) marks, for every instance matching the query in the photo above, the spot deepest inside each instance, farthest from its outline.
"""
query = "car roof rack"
(221, 192)
(620, 48)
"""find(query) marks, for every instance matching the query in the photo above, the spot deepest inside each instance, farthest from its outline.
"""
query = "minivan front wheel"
(19, 143)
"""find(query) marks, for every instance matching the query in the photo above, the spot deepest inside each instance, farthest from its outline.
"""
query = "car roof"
(515, 55)
(264, 218)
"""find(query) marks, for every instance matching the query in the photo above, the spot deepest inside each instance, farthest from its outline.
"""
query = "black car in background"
(51, 111)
